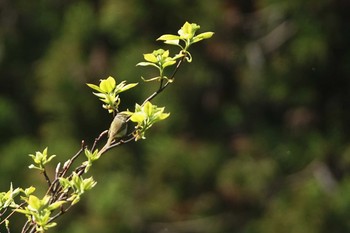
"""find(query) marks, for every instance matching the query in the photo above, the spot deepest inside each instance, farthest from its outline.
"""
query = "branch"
(170, 80)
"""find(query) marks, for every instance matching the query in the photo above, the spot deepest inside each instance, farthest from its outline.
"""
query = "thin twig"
(62, 173)
(47, 177)
(98, 139)
(12, 212)
(70, 161)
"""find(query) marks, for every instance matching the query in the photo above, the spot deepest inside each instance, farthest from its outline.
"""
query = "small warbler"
(118, 127)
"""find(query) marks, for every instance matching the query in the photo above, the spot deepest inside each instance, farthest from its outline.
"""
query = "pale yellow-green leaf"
(34, 202)
(138, 108)
(23, 211)
(128, 86)
(168, 37)
(50, 158)
(100, 95)
(150, 57)
(107, 85)
(164, 116)
(50, 225)
(147, 64)
(138, 117)
(56, 205)
(185, 31)
(202, 36)
(76, 200)
(206, 35)
(45, 152)
(95, 87)
(172, 42)
(29, 190)
(165, 54)
(148, 108)
(168, 63)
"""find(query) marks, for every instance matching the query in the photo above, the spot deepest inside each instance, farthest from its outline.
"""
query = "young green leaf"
(169, 37)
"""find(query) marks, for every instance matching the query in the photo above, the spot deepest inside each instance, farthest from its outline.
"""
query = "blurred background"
(258, 138)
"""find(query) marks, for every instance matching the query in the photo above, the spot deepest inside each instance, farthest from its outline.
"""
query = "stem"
(53, 187)
(10, 214)
(170, 80)
(66, 168)
(98, 139)
(47, 178)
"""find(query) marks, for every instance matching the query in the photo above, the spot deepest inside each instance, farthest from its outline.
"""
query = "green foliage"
(91, 158)
(145, 116)
(78, 186)
(40, 159)
(108, 92)
(187, 36)
(159, 59)
(39, 211)
(7, 198)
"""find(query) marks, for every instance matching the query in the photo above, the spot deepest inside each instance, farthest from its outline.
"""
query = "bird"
(118, 127)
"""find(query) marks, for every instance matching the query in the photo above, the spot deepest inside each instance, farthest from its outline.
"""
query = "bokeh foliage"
(258, 137)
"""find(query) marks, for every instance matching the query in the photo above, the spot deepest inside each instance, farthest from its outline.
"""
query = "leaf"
(89, 183)
(138, 117)
(172, 42)
(168, 63)
(202, 36)
(185, 31)
(147, 64)
(165, 54)
(164, 116)
(169, 37)
(96, 88)
(23, 211)
(100, 95)
(107, 85)
(128, 86)
(45, 152)
(150, 57)
(50, 225)
(148, 108)
(56, 205)
(205, 35)
(76, 200)
(34, 202)
(29, 190)
(50, 158)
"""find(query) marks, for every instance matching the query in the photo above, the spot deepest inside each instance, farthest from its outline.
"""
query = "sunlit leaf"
(168, 63)
(34, 202)
(202, 36)
(138, 117)
(150, 57)
(146, 64)
(164, 116)
(107, 85)
(147, 108)
(128, 86)
(172, 42)
(169, 37)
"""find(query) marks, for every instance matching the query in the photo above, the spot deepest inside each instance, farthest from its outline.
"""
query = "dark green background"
(258, 137)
